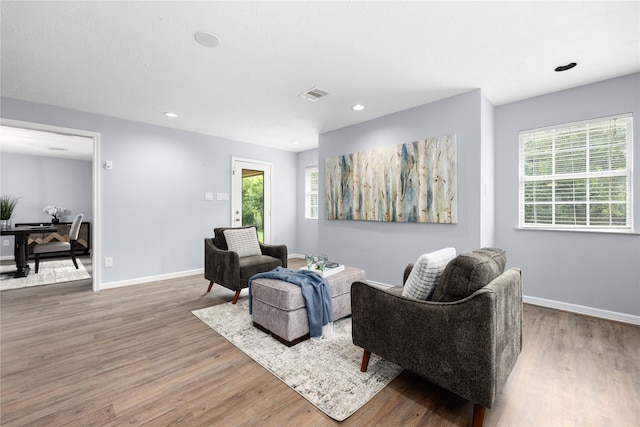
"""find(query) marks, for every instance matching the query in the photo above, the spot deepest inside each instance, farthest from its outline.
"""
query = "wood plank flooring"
(137, 356)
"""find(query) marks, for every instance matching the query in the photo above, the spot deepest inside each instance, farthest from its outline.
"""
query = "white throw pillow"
(243, 241)
(426, 273)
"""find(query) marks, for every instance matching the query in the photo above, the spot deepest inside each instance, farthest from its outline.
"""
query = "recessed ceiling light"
(294, 142)
(566, 67)
(206, 39)
(358, 107)
(170, 114)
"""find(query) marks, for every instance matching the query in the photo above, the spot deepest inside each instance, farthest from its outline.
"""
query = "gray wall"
(154, 216)
(307, 229)
(383, 249)
(599, 272)
(40, 181)
(587, 269)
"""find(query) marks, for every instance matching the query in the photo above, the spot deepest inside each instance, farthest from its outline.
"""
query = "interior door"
(251, 196)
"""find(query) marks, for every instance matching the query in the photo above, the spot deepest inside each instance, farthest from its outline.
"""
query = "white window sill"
(580, 230)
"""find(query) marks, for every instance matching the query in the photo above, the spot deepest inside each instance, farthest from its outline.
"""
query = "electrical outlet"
(108, 262)
(5, 242)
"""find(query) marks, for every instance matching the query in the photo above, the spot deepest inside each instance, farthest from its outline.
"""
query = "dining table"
(21, 247)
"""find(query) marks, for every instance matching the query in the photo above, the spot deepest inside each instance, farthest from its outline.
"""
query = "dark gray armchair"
(468, 346)
(226, 268)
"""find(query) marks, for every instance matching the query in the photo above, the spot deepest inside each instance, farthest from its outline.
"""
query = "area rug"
(325, 371)
(54, 271)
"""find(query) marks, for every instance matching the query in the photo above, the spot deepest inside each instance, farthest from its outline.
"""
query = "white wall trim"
(581, 309)
(149, 279)
(96, 226)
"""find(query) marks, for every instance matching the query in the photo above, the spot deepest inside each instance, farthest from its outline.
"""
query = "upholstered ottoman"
(279, 308)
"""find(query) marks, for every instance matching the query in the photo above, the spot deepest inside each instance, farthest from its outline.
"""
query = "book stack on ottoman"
(280, 309)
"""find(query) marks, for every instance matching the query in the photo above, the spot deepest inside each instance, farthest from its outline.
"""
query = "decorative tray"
(327, 272)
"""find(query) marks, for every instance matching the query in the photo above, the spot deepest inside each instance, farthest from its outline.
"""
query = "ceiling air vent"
(314, 94)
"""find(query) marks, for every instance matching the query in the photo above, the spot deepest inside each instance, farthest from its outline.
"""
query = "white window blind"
(577, 176)
(311, 192)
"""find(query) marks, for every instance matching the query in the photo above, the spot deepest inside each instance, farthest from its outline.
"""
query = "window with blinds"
(311, 192)
(577, 176)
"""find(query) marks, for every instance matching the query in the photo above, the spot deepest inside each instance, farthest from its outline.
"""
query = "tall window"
(311, 192)
(577, 176)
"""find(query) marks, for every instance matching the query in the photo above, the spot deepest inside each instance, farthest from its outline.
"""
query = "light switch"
(223, 196)
(208, 196)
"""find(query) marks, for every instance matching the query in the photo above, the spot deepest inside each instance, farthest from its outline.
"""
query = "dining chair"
(52, 247)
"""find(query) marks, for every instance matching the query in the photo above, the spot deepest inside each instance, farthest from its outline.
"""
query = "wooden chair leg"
(365, 361)
(235, 297)
(210, 285)
(478, 415)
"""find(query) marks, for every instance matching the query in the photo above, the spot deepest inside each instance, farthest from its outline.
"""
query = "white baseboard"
(6, 258)
(564, 306)
(581, 309)
(148, 279)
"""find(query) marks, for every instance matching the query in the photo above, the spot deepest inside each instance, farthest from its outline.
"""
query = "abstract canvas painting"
(412, 182)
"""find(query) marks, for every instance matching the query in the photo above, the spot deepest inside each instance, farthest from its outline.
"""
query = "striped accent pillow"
(426, 273)
(243, 241)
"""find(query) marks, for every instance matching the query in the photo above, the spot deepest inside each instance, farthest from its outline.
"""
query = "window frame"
(309, 192)
(561, 177)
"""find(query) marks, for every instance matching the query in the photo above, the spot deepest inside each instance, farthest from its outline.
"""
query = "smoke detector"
(314, 94)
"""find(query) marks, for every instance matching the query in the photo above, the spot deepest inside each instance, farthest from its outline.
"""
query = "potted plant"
(55, 212)
(7, 206)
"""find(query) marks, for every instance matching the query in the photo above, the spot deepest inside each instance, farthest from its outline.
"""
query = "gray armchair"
(228, 269)
(467, 346)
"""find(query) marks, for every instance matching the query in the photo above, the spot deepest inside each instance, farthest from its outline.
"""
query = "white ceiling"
(138, 59)
(42, 143)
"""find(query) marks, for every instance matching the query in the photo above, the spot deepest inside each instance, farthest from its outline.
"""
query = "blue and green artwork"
(413, 182)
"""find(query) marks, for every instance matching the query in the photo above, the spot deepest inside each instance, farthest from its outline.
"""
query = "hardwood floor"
(137, 356)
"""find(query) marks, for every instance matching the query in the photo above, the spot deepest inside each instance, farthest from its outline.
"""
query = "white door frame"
(96, 227)
(237, 164)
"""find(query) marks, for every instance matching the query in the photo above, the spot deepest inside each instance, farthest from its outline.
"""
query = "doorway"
(93, 139)
(251, 196)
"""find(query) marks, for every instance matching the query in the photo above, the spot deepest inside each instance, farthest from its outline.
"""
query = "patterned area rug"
(325, 371)
(54, 271)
